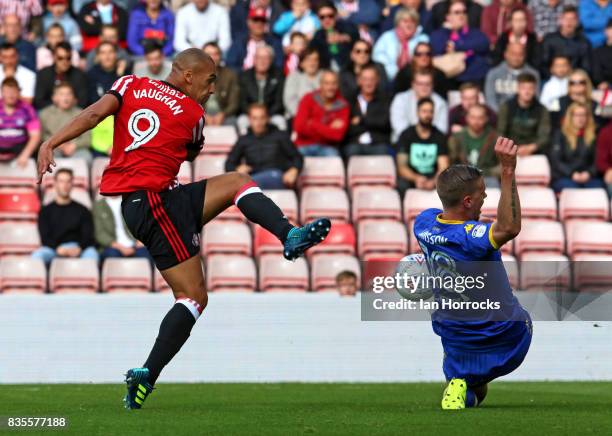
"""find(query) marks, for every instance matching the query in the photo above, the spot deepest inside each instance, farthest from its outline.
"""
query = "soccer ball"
(411, 273)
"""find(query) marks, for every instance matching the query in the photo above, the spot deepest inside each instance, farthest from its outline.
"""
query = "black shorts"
(168, 223)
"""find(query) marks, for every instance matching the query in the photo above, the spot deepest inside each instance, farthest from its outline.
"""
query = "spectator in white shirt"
(9, 60)
(200, 22)
(556, 86)
(404, 106)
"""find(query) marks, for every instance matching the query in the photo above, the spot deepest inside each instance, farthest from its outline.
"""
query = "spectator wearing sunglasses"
(439, 13)
(334, 39)
(61, 71)
(579, 89)
(360, 58)
(421, 61)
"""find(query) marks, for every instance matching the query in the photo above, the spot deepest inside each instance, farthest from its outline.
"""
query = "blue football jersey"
(466, 259)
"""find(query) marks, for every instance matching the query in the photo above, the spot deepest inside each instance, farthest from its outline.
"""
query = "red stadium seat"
(22, 274)
(512, 270)
(286, 200)
(265, 242)
(276, 274)
(73, 275)
(18, 238)
(377, 202)
(219, 237)
(541, 271)
(125, 275)
(417, 200)
(322, 171)
(371, 170)
(230, 273)
(79, 168)
(588, 237)
(19, 204)
(542, 236)
(592, 272)
(159, 283)
(79, 195)
(185, 174)
(12, 175)
(97, 168)
(538, 202)
(324, 202)
(325, 267)
(219, 139)
(207, 166)
(381, 238)
(584, 203)
(341, 240)
(532, 170)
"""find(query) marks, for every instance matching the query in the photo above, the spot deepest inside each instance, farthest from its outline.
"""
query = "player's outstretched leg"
(236, 188)
(187, 283)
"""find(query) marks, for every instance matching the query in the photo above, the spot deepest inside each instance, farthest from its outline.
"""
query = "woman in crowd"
(572, 154)
(361, 55)
(421, 61)
(517, 33)
(302, 81)
(395, 47)
(579, 90)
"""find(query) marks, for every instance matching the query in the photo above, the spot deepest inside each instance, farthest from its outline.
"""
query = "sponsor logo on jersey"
(468, 227)
(428, 237)
(196, 240)
(479, 231)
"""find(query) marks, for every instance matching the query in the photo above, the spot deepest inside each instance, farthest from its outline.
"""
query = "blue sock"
(470, 398)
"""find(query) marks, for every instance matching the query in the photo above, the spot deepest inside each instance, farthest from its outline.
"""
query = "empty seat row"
(374, 238)
(535, 271)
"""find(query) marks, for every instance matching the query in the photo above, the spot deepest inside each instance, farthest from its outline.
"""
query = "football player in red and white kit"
(159, 125)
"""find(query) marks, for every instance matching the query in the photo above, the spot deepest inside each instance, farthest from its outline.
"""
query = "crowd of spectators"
(327, 78)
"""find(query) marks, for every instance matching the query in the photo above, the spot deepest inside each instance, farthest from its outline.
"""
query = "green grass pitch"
(511, 408)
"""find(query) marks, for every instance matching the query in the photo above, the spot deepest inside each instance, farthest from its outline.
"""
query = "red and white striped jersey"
(154, 127)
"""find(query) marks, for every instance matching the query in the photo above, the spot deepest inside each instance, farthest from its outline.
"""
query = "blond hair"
(570, 131)
(584, 76)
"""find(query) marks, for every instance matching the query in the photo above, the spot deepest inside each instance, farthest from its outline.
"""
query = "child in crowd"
(297, 45)
(556, 86)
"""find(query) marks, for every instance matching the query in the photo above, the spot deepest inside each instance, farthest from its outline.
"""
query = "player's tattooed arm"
(508, 224)
(86, 120)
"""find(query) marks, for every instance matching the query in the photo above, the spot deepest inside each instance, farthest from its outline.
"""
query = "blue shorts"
(481, 367)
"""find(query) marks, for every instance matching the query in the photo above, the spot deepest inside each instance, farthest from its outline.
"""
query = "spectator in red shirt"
(322, 119)
(19, 125)
(603, 155)
(496, 18)
(94, 15)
